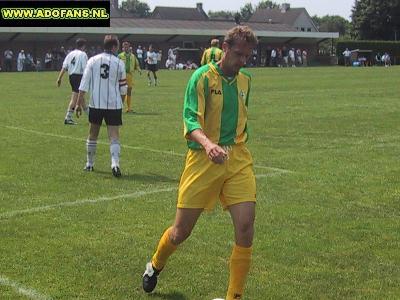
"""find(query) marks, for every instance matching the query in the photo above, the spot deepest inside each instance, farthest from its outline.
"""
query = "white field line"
(22, 290)
(127, 146)
(14, 213)
(98, 142)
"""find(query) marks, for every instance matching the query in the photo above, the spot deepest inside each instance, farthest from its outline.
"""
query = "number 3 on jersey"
(104, 71)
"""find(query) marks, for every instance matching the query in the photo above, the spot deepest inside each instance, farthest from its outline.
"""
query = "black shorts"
(75, 81)
(152, 67)
(112, 117)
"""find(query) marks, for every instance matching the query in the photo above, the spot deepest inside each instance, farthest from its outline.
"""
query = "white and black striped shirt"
(103, 76)
(75, 62)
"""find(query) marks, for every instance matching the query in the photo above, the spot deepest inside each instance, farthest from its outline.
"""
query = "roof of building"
(179, 13)
(274, 15)
(149, 23)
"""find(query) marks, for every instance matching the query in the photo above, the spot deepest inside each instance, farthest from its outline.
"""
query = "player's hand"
(78, 111)
(58, 82)
(216, 154)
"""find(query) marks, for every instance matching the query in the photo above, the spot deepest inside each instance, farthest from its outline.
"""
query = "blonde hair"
(214, 43)
(241, 33)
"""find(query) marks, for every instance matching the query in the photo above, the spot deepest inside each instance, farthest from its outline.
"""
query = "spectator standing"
(304, 57)
(8, 58)
(347, 57)
(159, 58)
(21, 61)
(292, 58)
(273, 58)
(48, 60)
(139, 55)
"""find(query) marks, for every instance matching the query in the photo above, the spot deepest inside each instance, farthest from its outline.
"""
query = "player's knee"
(246, 227)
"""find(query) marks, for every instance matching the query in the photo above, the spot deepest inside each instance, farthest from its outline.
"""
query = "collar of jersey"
(218, 70)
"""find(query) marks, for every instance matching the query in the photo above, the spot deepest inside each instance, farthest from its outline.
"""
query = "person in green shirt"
(218, 165)
(131, 65)
(211, 54)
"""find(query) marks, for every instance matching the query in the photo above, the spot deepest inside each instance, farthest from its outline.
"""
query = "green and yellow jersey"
(131, 62)
(217, 105)
(212, 54)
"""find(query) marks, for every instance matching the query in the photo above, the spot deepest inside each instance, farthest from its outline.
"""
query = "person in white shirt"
(105, 78)
(304, 57)
(292, 57)
(347, 57)
(21, 61)
(139, 55)
(273, 58)
(152, 65)
(74, 63)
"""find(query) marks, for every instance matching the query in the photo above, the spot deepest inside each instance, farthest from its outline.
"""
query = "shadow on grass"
(143, 114)
(168, 296)
(151, 178)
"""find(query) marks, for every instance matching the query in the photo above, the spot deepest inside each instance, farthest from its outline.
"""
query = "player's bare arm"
(79, 103)
(214, 152)
(60, 77)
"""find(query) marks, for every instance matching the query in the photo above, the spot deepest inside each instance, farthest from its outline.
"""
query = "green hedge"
(391, 47)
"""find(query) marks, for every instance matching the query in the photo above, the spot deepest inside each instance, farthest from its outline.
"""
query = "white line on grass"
(98, 142)
(127, 146)
(14, 213)
(22, 290)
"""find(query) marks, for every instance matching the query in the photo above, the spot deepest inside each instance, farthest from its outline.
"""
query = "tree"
(332, 24)
(136, 7)
(376, 19)
(246, 11)
(267, 4)
(223, 14)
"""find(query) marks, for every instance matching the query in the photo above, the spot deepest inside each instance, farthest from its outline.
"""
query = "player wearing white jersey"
(105, 78)
(152, 65)
(74, 63)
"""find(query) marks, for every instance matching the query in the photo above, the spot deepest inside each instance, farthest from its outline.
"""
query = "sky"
(314, 7)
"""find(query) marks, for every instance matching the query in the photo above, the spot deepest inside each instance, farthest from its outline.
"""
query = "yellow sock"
(239, 266)
(128, 102)
(164, 250)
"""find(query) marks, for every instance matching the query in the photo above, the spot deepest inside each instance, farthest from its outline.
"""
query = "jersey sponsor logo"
(216, 92)
(242, 94)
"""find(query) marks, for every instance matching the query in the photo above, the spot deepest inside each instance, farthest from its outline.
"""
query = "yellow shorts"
(203, 182)
(129, 80)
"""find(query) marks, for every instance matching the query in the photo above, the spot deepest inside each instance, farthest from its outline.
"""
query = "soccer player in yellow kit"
(211, 54)
(218, 164)
(131, 65)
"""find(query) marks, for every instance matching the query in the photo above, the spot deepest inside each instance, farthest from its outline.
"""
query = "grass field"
(326, 146)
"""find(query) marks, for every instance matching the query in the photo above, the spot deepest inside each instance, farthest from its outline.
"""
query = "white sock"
(69, 114)
(91, 152)
(115, 149)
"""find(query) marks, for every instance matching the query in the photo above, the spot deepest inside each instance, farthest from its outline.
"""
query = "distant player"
(131, 65)
(212, 54)
(152, 65)
(105, 78)
(74, 63)
(218, 164)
